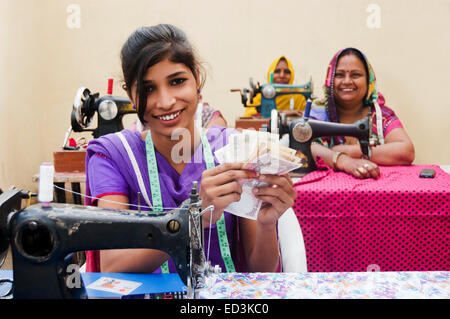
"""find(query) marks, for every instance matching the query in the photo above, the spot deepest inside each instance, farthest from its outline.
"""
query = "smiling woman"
(350, 87)
(163, 79)
(171, 102)
(350, 95)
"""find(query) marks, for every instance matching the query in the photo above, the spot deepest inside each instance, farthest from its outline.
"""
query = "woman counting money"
(163, 79)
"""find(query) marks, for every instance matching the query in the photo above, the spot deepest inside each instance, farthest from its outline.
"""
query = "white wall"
(43, 60)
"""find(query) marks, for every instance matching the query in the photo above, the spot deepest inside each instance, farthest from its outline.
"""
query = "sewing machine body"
(304, 130)
(110, 111)
(42, 236)
(269, 93)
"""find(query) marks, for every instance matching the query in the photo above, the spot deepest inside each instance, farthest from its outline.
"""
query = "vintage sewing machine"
(110, 111)
(42, 236)
(304, 130)
(269, 92)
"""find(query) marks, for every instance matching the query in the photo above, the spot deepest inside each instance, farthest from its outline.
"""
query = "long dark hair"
(147, 46)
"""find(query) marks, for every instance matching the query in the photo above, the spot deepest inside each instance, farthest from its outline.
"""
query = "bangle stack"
(335, 159)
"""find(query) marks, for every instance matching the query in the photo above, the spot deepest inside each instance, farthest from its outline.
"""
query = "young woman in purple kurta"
(112, 171)
(163, 79)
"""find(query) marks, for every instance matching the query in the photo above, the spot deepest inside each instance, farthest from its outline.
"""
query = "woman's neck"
(349, 113)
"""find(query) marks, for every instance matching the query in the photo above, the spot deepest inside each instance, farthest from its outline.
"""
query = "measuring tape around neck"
(221, 227)
(153, 173)
(157, 199)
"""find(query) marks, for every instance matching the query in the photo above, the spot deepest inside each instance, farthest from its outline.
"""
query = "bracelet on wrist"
(335, 159)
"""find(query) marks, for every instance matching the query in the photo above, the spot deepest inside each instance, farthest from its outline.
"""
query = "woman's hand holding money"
(277, 197)
(220, 186)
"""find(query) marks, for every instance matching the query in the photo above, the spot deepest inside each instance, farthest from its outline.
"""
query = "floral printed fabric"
(352, 285)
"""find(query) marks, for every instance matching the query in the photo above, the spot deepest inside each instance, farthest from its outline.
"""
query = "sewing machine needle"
(139, 201)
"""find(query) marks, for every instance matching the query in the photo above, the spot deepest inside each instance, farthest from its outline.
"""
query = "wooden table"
(60, 179)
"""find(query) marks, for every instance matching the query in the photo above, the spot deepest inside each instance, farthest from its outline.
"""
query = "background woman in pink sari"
(351, 94)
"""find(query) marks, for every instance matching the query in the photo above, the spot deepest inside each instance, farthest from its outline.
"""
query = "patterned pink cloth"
(399, 222)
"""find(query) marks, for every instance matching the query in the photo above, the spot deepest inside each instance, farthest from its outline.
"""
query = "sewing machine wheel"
(82, 113)
(108, 110)
(268, 91)
(302, 131)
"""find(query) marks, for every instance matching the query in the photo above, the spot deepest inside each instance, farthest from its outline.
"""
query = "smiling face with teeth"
(350, 82)
(172, 97)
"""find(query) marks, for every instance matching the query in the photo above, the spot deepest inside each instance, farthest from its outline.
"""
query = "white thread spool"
(46, 173)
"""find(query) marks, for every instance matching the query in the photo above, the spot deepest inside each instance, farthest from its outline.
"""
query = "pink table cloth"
(399, 222)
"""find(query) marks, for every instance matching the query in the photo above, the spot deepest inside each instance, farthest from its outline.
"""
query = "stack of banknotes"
(260, 152)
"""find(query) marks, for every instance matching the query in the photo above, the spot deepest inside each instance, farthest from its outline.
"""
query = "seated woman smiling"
(163, 79)
(350, 95)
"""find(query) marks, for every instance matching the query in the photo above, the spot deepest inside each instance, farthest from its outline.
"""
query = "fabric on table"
(399, 222)
(356, 285)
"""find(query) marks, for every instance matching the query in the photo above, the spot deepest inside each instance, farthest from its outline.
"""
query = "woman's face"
(350, 81)
(172, 97)
(282, 74)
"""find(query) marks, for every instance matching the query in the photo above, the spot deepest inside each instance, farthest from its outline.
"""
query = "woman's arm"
(259, 237)
(260, 245)
(128, 260)
(397, 149)
(359, 168)
(217, 119)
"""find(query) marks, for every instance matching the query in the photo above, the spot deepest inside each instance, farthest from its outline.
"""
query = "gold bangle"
(335, 158)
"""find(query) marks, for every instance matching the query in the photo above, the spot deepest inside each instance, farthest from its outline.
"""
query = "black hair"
(147, 46)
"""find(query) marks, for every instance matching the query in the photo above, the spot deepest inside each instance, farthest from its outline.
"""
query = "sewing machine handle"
(244, 93)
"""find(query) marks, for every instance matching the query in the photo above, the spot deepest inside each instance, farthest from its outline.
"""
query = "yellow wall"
(43, 60)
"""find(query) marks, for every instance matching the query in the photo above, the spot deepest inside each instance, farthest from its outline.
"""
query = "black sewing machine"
(304, 130)
(42, 237)
(110, 111)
